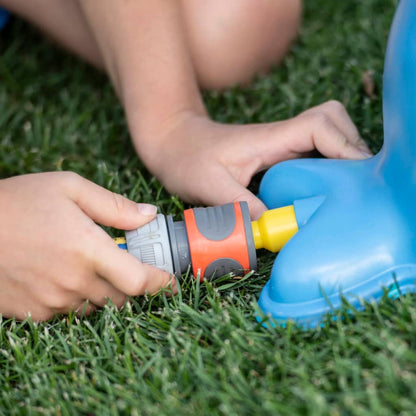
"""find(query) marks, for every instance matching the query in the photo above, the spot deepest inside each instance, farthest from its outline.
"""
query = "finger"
(100, 291)
(106, 207)
(255, 205)
(237, 192)
(229, 190)
(330, 141)
(85, 308)
(30, 309)
(340, 117)
(127, 274)
(320, 133)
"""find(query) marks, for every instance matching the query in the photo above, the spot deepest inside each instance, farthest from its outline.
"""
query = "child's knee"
(233, 40)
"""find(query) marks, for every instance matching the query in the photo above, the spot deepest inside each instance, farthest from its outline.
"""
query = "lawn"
(201, 352)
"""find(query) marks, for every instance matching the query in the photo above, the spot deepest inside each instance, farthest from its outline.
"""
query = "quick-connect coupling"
(214, 241)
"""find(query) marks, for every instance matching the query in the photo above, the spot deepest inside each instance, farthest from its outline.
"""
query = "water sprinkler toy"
(4, 17)
(361, 240)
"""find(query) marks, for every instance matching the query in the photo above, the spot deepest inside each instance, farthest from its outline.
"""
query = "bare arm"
(145, 50)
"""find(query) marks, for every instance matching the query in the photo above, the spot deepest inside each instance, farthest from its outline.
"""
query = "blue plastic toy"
(361, 237)
(4, 17)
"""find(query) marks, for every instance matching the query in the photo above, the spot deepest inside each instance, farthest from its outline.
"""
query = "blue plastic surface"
(4, 17)
(362, 237)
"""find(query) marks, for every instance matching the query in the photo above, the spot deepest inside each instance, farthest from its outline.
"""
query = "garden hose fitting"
(212, 241)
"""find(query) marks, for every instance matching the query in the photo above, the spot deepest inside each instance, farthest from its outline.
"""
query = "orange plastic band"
(204, 251)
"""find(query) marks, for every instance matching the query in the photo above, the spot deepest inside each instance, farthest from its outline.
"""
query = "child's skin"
(158, 54)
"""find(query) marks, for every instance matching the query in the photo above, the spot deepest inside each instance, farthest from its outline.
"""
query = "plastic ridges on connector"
(150, 244)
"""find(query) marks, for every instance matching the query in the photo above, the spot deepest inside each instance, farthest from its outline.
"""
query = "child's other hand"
(211, 163)
(53, 257)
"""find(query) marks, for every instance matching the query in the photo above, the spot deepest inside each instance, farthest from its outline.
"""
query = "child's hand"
(53, 257)
(212, 163)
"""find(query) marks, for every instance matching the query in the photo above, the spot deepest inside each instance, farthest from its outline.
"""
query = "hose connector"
(214, 241)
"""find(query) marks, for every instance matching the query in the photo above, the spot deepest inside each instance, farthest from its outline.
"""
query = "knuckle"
(119, 202)
(85, 308)
(91, 233)
(74, 283)
(71, 180)
(321, 119)
(59, 303)
(56, 300)
(343, 148)
(239, 197)
(138, 287)
(335, 106)
(150, 281)
(119, 302)
(44, 315)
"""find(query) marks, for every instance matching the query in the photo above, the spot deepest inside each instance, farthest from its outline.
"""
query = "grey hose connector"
(151, 244)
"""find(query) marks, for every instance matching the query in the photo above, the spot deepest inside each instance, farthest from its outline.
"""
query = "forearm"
(145, 50)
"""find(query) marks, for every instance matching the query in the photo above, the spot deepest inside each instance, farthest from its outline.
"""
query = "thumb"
(255, 205)
(229, 190)
(109, 208)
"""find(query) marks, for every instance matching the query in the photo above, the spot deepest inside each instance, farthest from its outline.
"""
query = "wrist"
(157, 142)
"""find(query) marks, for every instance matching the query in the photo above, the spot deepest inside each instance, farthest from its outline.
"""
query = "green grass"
(201, 352)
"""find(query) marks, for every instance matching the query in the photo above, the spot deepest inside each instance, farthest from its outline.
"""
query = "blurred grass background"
(201, 352)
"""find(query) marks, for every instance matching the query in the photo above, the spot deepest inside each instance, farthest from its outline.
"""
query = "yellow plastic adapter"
(121, 242)
(275, 228)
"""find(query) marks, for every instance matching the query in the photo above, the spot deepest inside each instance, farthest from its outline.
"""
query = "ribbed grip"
(150, 244)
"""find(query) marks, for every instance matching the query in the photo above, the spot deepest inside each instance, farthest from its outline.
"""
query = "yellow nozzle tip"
(275, 228)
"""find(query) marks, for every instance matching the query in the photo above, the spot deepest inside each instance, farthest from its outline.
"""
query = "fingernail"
(364, 149)
(147, 209)
(174, 284)
(367, 154)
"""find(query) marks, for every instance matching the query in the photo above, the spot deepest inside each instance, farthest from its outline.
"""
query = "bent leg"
(233, 40)
(230, 41)
(61, 20)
